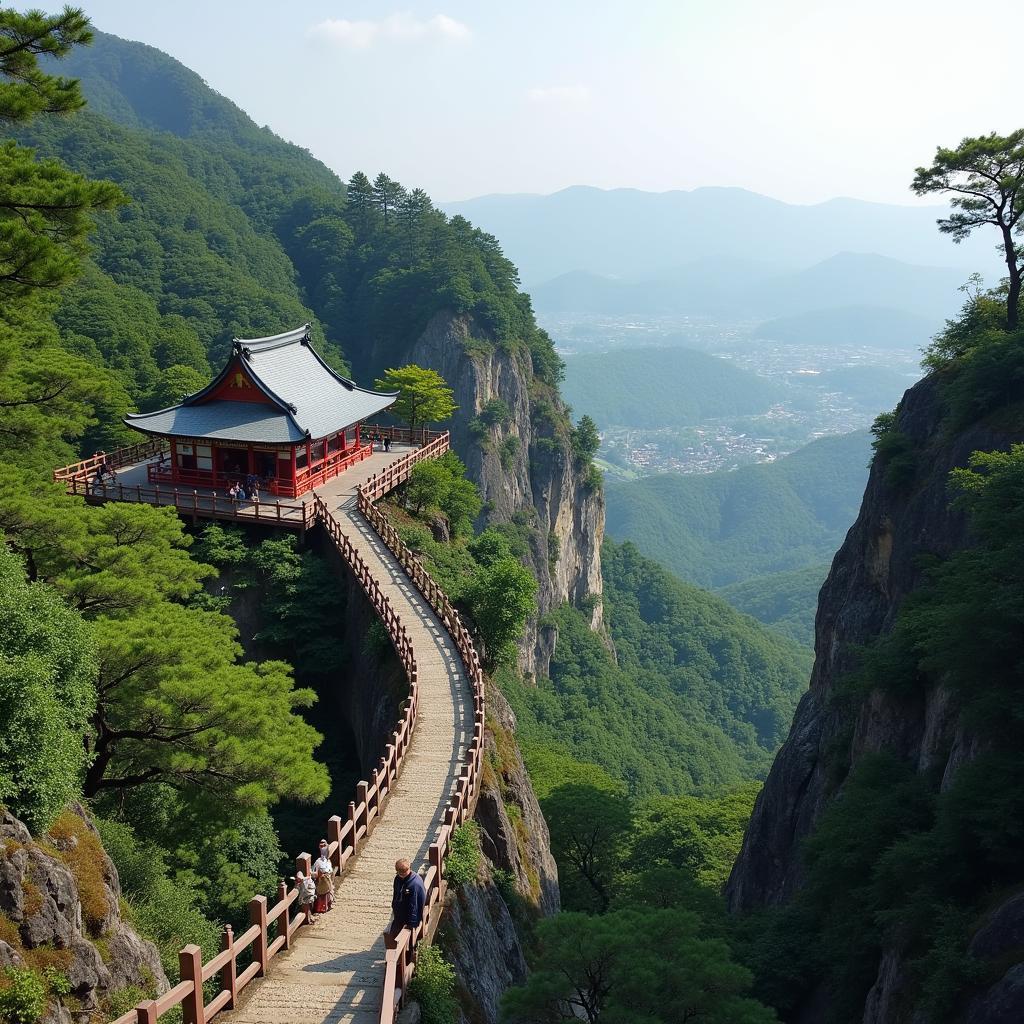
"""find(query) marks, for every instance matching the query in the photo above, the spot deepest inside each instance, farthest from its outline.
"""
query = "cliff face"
(524, 474)
(60, 910)
(518, 881)
(878, 565)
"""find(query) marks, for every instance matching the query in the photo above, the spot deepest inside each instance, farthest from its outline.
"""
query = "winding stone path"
(334, 971)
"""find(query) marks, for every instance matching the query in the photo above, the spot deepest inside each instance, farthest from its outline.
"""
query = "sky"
(802, 100)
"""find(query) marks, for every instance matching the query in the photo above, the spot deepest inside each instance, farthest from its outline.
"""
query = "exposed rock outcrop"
(518, 880)
(879, 564)
(522, 464)
(60, 909)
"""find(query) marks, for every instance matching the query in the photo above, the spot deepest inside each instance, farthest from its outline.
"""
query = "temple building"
(276, 411)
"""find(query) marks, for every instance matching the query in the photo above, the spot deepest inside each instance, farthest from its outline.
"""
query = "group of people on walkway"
(380, 442)
(249, 491)
(316, 891)
(408, 897)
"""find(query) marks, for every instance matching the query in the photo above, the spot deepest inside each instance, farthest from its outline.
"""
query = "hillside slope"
(720, 528)
(662, 387)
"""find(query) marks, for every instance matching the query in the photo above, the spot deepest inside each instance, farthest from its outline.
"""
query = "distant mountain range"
(742, 289)
(726, 251)
(629, 234)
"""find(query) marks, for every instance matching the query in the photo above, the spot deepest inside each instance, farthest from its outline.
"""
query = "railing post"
(334, 836)
(258, 916)
(145, 1013)
(229, 972)
(283, 919)
(190, 967)
(352, 820)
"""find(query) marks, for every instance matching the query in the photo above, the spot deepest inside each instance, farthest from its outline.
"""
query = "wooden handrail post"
(229, 972)
(334, 836)
(145, 1012)
(190, 967)
(284, 920)
(258, 916)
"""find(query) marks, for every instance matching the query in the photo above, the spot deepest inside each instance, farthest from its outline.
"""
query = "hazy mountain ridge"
(627, 233)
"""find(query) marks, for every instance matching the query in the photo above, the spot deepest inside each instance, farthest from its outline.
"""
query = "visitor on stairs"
(407, 900)
(323, 872)
(307, 893)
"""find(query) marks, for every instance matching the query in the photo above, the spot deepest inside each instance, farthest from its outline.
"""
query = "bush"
(495, 412)
(433, 987)
(23, 999)
(463, 861)
(894, 451)
(508, 451)
(501, 598)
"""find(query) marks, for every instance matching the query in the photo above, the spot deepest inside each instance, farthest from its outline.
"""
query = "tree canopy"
(984, 176)
(424, 395)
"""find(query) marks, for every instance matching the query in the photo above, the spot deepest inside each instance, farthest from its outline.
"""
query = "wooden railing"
(400, 954)
(346, 833)
(116, 459)
(210, 505)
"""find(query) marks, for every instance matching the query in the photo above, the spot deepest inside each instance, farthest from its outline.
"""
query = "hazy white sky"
(796, 99)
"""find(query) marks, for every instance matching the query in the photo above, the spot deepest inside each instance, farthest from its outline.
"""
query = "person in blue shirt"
(407, 900)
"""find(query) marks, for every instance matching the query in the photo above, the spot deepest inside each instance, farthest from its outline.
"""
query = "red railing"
(208, 505)
(116, 459)
(345, 835)
(400, 954)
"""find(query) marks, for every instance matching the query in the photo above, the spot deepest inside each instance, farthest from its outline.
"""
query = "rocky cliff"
(60, 915)
(482, 932)
(878, 565)
(510, 430)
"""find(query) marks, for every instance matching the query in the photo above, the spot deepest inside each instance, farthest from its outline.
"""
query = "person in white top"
(323, 872)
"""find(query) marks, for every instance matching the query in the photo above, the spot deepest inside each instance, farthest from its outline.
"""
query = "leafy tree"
(176, 706)
(641, 967)
(427, 485)
(588, 825)
(585, 439)
(47, 666)
(176, 383)
(424, 395)
(502, 596)
(985, 177)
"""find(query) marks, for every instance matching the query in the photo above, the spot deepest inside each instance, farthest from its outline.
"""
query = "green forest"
(171, 684)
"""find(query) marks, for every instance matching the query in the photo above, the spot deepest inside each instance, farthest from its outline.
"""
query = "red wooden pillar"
(295, 491)
(174, 461)
(252, 460)
(357, 435)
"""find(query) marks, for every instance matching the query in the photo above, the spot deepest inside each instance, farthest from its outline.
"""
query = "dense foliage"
(786, 601)
(903, 859)
(697, 697)
(716, 529)
(643, 931)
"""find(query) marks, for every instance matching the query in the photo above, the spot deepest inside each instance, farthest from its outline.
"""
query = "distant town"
(829, 390)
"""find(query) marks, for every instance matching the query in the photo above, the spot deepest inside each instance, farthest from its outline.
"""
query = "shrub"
(121, 1001)
(433, 987)
(495, 412)
(463, 861)
(894, 451)
(508, 451)
(23, 999)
